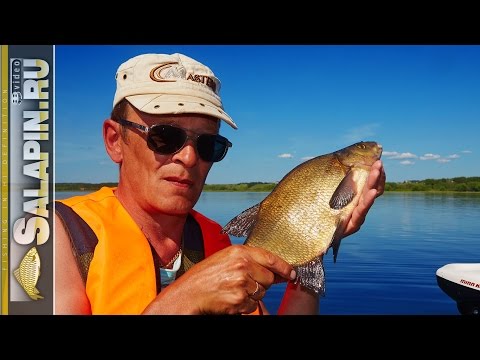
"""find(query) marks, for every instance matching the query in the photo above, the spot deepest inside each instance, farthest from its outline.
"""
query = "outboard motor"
(462, 283)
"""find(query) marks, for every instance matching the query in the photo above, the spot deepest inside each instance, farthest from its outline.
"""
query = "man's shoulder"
(98, 196)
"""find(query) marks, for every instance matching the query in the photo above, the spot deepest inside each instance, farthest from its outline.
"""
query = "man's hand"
(231, 281)
(374, 187)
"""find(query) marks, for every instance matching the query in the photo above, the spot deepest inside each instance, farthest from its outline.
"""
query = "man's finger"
(376, 178)
(272, 262)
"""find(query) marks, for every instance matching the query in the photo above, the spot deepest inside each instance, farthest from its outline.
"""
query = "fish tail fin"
(312, 275)
(36, 294)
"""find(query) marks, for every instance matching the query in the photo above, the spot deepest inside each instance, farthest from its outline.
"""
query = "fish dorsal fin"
(243, 223)
(344, 193)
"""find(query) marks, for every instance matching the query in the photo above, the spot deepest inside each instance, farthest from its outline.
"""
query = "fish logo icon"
(28, 273)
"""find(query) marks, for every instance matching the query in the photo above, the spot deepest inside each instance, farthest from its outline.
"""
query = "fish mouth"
(376, 153)
(379, 150)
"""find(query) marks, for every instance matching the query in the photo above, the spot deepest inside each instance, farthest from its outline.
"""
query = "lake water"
(388, 267)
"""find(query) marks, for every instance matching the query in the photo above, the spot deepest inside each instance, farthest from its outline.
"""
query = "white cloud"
(305, 158)
(285, 156)
(395, 155)
(389, 153)
(430, 157)
(454, 156)
(466, 152)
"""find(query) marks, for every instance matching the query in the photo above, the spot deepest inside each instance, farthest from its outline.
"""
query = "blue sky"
(294, 102)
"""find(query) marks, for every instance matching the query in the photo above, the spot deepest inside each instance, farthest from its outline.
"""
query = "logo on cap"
(168, 72)
(173, 71)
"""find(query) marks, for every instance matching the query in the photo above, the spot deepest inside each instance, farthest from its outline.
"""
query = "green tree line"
(250, 186)
(81, 186)
(458, 184)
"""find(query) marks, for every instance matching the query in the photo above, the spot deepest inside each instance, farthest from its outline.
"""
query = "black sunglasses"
(169, 139)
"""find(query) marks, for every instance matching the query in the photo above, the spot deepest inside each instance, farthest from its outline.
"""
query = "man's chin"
(179, 208)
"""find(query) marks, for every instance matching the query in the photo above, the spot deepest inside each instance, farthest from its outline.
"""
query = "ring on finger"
(256, 289)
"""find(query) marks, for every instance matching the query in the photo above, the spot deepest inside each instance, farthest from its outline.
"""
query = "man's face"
(168, 184)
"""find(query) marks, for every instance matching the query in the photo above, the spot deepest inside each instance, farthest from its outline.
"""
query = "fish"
(307, 211)
(28, 273)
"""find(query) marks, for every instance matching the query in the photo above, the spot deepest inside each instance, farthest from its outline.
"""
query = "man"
(140, 248)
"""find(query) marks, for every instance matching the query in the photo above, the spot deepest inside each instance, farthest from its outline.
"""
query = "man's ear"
(112, 139)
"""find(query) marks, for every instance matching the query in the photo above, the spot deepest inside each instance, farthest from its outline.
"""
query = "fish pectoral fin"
(243, 223)
(344, 193)
(312, 275)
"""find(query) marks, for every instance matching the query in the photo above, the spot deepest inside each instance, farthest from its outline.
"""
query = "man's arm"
(70, 293)
(299, 300)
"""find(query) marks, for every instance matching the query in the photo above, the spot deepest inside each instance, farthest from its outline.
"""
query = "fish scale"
(307, 211)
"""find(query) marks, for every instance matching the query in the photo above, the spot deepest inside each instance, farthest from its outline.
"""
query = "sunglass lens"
(206, 147)
(166, 139)
(212, 147)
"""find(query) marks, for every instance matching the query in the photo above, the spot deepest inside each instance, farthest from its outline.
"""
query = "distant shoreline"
(459, 184)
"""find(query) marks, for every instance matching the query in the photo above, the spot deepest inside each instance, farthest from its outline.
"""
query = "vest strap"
(82, 237)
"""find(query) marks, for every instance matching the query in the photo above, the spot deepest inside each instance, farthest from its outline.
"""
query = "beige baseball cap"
(170, 84)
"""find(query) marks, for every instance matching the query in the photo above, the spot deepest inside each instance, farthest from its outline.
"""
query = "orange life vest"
(121, 277)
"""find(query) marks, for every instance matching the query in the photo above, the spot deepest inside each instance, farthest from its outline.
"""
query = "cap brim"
(178, 104)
